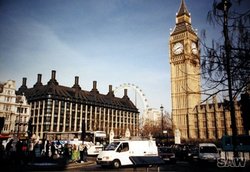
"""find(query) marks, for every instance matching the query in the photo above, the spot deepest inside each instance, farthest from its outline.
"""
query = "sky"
(108, 41)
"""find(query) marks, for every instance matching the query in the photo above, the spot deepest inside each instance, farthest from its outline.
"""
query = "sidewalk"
(73, 165)
(58, 164)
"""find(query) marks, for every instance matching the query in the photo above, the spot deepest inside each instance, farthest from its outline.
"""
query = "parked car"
(180, 150)
(193, 153)
(208, 152)
(167, 154)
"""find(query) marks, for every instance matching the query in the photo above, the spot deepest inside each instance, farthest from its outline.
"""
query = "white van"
(208, 152)
(117, 153)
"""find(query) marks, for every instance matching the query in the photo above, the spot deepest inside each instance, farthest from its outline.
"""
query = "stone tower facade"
(185, 71)
(195, 121)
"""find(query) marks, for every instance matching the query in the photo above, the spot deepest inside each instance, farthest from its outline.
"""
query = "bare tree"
(154, 127)
(226, 65)
(227, 60)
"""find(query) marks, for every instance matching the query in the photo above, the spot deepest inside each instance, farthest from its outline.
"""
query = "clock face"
(194, 48)
(178, 48)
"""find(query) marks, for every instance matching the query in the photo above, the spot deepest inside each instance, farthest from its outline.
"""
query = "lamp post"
(224, 6)
(19, 115)
(161, 119)
(12, 123)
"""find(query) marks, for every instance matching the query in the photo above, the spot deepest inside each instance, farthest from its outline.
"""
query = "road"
(179, 166)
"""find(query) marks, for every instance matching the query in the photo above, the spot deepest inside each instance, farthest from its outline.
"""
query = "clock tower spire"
(185, 72)
(183, 9)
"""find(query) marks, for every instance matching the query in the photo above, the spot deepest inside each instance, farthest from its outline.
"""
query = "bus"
(242, 143)
(95, 140)
(97, 137)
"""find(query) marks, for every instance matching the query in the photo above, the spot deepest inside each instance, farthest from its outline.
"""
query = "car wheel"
(116, 164)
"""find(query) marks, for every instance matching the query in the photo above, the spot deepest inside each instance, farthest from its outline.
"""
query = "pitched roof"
(183, 25)
(75, 94)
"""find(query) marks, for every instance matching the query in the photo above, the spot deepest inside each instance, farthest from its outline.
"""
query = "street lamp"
(161, 119)
(224, 6)
(19, 115)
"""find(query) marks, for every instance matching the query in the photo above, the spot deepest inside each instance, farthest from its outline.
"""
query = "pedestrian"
(19, 146)
(53, 150)
(66, 152)
(9, 145)
(18, 155)
(81, 148)
(1, 151)
(47, 148)
(75, 154)
(9, 148)
(85, 153)
(37, 150)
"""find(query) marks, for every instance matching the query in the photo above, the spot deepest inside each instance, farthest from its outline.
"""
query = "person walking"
(53, 150)
(2, 151)
(66, 152)
(81, 148)
(75, 153)
(9, 147)
(47, 148)
(85, 153)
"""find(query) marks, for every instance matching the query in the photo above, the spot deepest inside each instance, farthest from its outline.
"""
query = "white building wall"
(10, 105)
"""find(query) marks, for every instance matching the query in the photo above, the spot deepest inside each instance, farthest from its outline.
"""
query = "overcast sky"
(110, 41)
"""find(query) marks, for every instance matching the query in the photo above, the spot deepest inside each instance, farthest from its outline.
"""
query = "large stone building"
(152, 114)
(60, 112)
(192, 119)
(14, 111)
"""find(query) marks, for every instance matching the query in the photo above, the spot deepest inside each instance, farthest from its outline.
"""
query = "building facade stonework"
(193, 119)
(14, 111)
(60, 112)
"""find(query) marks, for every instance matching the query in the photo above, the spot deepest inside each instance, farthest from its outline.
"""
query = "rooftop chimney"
(111, 92)
(110, 88)
(53, 74)
(39, 80)
(24, 81)
(23, 86)
(76, 85)
(94, 89)
(125, 94)
(53, 78)
(76, 80)
(94, 84)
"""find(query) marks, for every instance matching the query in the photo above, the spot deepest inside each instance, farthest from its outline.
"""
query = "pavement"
(73, 165)
(59, 164)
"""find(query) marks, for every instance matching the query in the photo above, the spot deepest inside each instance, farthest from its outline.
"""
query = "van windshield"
(112, 146)
(208, 149)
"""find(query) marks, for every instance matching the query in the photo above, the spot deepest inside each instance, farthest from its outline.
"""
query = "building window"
(213, 125)
(204, 123)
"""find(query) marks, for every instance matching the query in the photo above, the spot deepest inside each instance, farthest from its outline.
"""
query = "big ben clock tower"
(185, 73)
